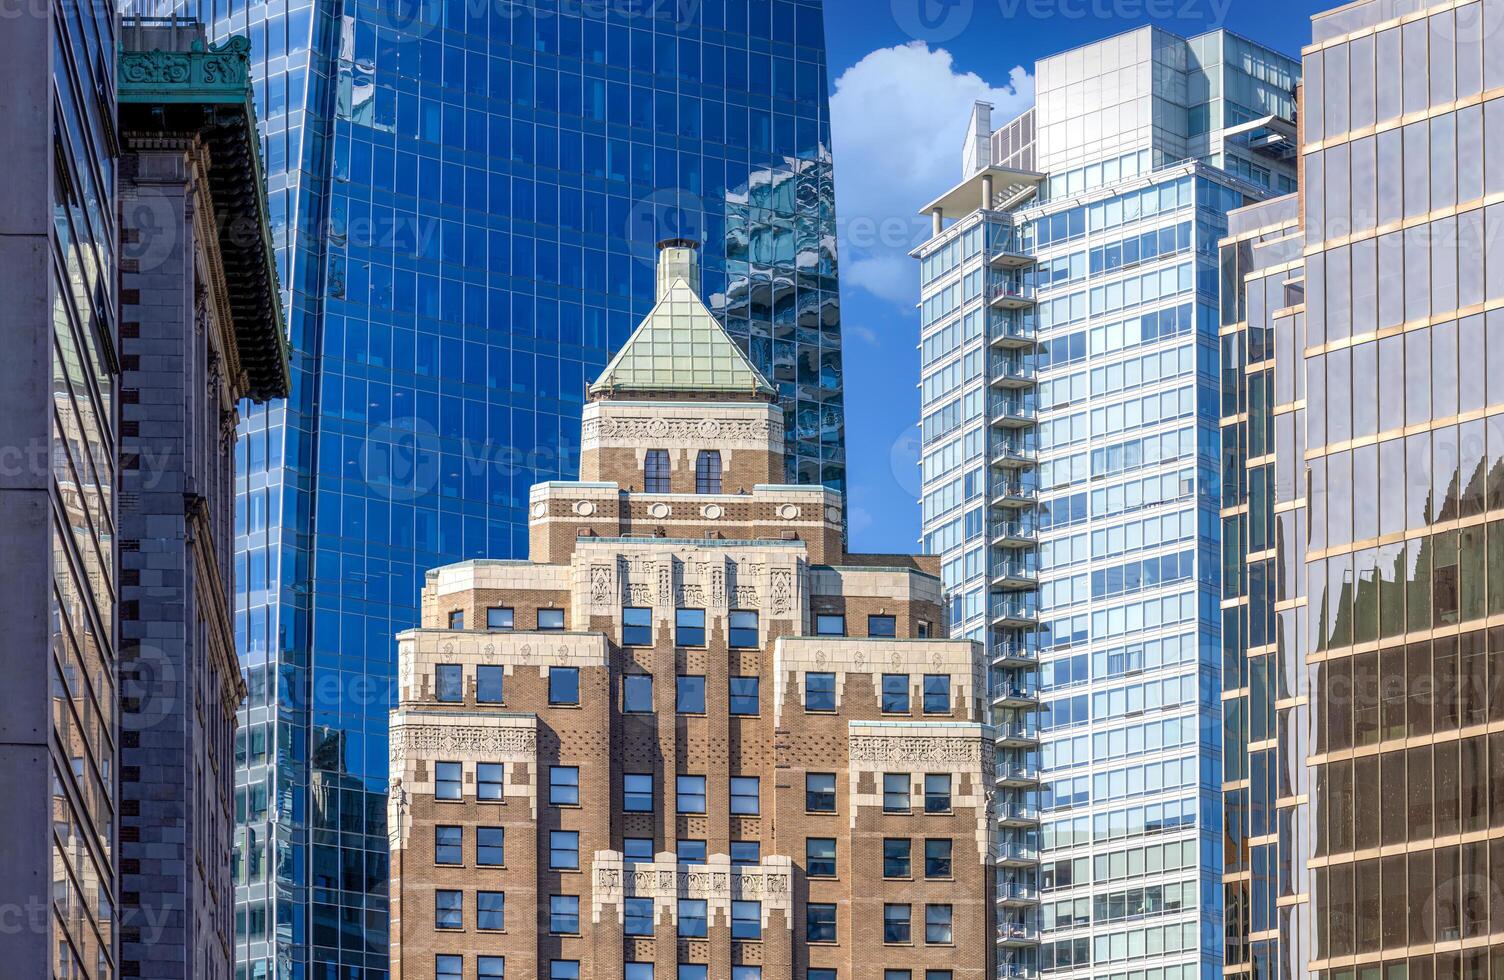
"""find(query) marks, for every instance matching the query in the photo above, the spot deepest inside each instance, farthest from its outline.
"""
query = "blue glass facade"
(466, 197)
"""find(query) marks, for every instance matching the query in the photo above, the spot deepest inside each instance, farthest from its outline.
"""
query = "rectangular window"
(637, 693)
(830, 624)
(449, 685)
(896, 694)
(895, 792)
(746, 973)
(449, 909)
(637, 626)
(937, 792)
(898, 975)
(550, 619)
(708, 471)
(689, 627)
(937, 851)
(490, 846)
(637, 795)
(689, 792)
(449, 967)
(820, 792)
(489, 777)
(638, 848)
(490, 967)
(639, 916)
(820, 857)
(655, 471)
(820, 922)
(937, 975)
(689, 696)
(693, 971)
(563, 685)
(564, 914)
(563, 970)
(692, 923)
(490, 910)
(690, 851)
(896, 860)
(499, 618)
(488, 679)
(447, 780)
(937, 694)
(564, 850)
(885, 626)
(638, 971)
(745, 797)
(745, 853)
(564, 785)
(746, 920)
(742, 632)
(897, 927)
(457, 619)
(819, 692)
(818, 973)
(744, 696)
(448, 845)
(937, 924)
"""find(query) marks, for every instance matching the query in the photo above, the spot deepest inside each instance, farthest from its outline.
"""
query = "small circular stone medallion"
(540, 509)
(584, 508)
(787, 511)
(712, 512)
(659, 510)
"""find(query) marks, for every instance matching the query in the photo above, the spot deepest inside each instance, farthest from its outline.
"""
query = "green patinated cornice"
(220, 73)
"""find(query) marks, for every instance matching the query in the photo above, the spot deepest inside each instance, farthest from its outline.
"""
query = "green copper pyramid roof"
(681, 347)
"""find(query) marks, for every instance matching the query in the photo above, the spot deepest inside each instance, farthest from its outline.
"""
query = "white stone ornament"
(584, 508)
(659, 510)
(712, 512)
(833, 514)
(540, 509)
(787, 511)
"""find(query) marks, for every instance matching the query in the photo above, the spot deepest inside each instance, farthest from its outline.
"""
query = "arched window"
(708, 472)
(655, 471)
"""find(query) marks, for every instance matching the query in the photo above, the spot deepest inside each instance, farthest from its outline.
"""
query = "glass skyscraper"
(1069, 318)
(466, 197)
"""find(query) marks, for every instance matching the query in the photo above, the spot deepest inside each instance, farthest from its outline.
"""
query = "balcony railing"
(1010, 292)
(1013, 410)
(1016, 813)
(1017, 853)
(1013, 371)
(1012, 330)
(1025, 932)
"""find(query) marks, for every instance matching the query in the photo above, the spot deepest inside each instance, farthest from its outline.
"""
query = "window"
(744, 695)
(639, 916)
(820, 923)
(895, 792)
(689, 627)
(638, 848)
(564, 970)
(637, 626)
(689, 694)
(563, 685)
(551, 619)
(490, 846)
(693, 971)
(820, 792)
(449, 968)
(690, 851)
(690, 794)
(820, 857)
(896, 862)
(564, 850)
(882, 626)
(564, 914)
(564, 785)
(937, 694)
(745, 853)
(744, 796)
(898, 975)
(937, 792)
(655, 471)
(448, 845)
(490, 967)
(692, 922)
(708, 471)
(488, 683)
(896, 924)
(937, 924)
(638, 971)
(448, 909)
(457, 619)
(937, 975)
(830, 624)
(446, 780)
(488, 781)
(637, 693)
(742, 631)
(746, 920)
(937, 857)
(449, 685)
(820, 974)
(746, 973)
(490, 910)
(819, 692)
(499, 618)
(637, 795)
(896, 694)
(924, 630)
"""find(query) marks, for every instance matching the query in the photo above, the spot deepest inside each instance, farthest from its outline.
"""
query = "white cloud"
(898, 119)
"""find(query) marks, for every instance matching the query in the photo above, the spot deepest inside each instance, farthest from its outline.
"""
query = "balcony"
(1017, 971)
(1013, 372)
(1020, 815)
(1017, 774)
(1011, 651)
(1017, 934)
(1014, 453)
(1010, 292)
(1015, 735)
(1015, 574)
(1015, 411)
(1015, 534)
(1012, 332)
(1013, 494)
(1012, 854)
(1017, 895)
(1008, 254)
(1016, 694)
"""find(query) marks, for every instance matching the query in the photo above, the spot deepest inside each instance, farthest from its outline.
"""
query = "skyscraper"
(1070, 467)
(466, 197)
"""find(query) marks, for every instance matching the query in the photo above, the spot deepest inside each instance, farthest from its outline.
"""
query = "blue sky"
(904, 74)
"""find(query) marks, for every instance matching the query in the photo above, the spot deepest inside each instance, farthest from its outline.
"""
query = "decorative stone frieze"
(795, 656)
(717, 882)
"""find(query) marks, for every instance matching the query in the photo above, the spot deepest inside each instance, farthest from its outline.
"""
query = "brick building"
(691, 737)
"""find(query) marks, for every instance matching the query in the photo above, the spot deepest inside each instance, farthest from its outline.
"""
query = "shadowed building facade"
(690, 737)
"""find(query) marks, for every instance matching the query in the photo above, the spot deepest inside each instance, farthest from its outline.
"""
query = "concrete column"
(937, 222)
(986, 191)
